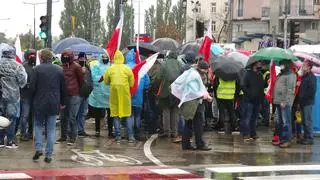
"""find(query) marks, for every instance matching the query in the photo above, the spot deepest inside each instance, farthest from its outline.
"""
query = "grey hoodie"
(284, 88)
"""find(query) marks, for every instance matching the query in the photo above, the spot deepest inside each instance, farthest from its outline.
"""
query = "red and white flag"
(115, 41)
(206, 43)
(138, 59)
(141, 70)
(272, 82)
(17, 45)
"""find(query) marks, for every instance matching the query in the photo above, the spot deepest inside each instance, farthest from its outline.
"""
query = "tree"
(26, 41)
(88, 20)
(3, 38)
(109, 20)
(150, 20)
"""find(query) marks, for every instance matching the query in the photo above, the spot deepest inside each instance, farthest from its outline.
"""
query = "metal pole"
(195, 22)
(132, 25)
(34, 26)
(230, 23)
(138, 38)
(285, 26)
(49, 14)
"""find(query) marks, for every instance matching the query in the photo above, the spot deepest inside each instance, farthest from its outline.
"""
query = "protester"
(49, 95)
(283, 97)
(307, 96)
(253, 89)
(74, 77)
(120, 78)
(99, 98)
(26, 120)
(265, 108)
(13, 77)
(85, 91)
(194, 113)
(137, 98)
(170, 71)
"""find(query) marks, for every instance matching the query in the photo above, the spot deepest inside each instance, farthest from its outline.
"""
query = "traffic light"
(294, 29)
(44, 27)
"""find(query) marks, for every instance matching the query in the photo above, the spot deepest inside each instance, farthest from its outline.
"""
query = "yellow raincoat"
(120, 78)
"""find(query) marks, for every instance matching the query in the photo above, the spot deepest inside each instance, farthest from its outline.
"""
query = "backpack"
(87, 85)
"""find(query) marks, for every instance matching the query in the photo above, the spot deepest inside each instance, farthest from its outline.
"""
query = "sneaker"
(2, 145)
(178, 139)
(254, 137)
(61, 140)
(97, 134)
(12, 145)
(83, 134)
(246, 138)
(189, 148)
(307, 142)
(204, 148)
(118, 139)
(71, 141)
(47, 160)
(37, 155)
(24, 138)
(284, 145)
(131, 140)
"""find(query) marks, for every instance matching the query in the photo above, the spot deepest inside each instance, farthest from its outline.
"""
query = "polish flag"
(206, 43)
(272, 82)
(141, 70)
(138, 59)
(115, 41)
(38, 58)
(17, 45)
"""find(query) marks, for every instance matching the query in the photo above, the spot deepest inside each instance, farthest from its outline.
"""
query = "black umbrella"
(166, 44)
(251, 61)
(226, 68)
(190, 46)
(66, 43)
(146, 49)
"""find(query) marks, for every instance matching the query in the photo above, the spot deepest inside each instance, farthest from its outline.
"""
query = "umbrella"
(274, 53)
(247, 53)
(306, 56)
(66, 43)
(216, 49)
(236, 56)
(146, 49)
(166, 44)
(190, 46)
(87, 48)
(226, 68)
(315, 70)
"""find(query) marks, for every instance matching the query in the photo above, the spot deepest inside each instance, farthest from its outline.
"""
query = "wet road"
(103, 153)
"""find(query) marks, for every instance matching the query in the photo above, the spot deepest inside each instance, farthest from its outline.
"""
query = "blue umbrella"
(216, 49)
(87, 48)
(66, 43)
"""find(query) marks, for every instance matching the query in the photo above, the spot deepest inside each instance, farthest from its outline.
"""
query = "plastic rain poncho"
(120, 78)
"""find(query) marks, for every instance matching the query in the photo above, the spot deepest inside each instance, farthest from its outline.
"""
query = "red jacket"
(74, 77)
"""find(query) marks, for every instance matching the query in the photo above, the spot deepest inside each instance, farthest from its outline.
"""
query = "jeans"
(82, 113)
(248, 123)
(227, 114)
(109, 122)
(306, 113)
(25, 116)
(170, 120)
(195, 124)
(40, 121)
(266, 111)
(181, 125)
(69, 116)
(136, 118)
(117, 126)
(12, 112)
(284, 123)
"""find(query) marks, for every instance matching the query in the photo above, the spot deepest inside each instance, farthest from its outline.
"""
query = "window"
(199, 9)
(302, 5)
(213, 7)
(240, 8)
(240, 27)
(226, 7)
(314, 26)
(213, 26)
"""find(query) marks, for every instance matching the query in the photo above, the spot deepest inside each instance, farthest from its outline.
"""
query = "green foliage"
(26, 41)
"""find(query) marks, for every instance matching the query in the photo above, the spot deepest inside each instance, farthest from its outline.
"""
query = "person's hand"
(209, 99)
(101, 79)
(283, 105)
(62, 106)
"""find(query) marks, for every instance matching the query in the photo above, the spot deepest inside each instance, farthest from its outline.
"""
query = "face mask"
(65, 60)
(282, 67)
(300, 72)
(259, 68)
(105, 61)
(82, 63)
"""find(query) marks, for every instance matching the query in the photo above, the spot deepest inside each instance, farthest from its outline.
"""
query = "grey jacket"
(285, 88)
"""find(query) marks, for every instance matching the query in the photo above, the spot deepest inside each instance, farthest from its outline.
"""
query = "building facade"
(205, 11)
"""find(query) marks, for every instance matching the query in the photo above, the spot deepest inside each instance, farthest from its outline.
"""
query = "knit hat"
(190, 57)
(203, 65)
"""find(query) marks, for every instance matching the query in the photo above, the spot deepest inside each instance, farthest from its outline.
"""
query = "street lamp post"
(195, 11)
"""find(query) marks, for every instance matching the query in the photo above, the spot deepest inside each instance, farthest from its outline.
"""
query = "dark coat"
(74, 77)
(253, 86)
(25, 92)
(307, 90)
(48, 88)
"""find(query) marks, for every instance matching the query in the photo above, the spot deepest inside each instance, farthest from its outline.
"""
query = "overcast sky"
(21, 15)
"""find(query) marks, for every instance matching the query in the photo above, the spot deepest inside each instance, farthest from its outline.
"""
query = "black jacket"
(307, 90)
(253, 86)
(48, 89)
(25, 92)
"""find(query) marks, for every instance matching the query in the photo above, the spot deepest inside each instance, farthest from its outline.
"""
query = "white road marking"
(173, 171)
(264, 168)
(148, 153)
(15, 176)
(285, 177)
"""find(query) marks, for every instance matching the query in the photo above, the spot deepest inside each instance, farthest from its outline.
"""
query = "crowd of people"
(32, 97)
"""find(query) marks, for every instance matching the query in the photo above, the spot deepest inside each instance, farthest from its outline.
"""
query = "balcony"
(294, 12)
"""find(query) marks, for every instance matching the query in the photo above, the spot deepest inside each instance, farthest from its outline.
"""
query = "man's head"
(257, 66)
(82, 58)
(285, 65)
(190, 57)
(45, 56)
(67, 56)
(30, 56)
(307, 66)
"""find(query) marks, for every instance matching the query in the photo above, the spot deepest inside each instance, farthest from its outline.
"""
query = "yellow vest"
(226, 89)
